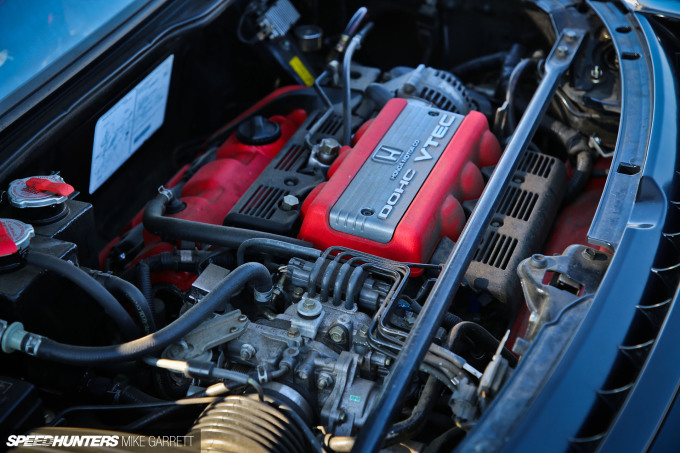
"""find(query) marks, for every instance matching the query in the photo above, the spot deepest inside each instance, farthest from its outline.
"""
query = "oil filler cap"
(258, 131)
(38, 191)
(15, 236)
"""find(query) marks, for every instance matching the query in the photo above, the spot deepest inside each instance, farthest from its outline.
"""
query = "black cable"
(88, 284)
(250, 9)
(146, 420)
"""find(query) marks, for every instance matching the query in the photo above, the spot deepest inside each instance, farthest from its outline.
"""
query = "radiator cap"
(14, 236)
(38, 191)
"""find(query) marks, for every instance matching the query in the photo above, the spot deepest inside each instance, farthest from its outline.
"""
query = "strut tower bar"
(373, 432)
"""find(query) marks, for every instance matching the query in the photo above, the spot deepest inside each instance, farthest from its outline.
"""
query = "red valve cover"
(210, 193)
(399, 190)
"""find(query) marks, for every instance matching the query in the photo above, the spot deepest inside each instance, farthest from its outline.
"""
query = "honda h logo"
(387, 155)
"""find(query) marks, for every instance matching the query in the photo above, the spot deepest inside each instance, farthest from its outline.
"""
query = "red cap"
(45, 185)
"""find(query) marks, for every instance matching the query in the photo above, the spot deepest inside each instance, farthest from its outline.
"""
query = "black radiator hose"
(254, 274)
(170, 228)
(483, 340)
(88, 284)
(144, 279)
(275, 246)
(577, 146)
(449, 320)
(117, 285)
(483, 63)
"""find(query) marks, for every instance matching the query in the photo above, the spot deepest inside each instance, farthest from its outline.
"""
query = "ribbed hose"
(238, 423)
(129, 292)
(144, 280)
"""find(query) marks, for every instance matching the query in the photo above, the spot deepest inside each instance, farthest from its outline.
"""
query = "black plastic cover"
(519, 227)
(258, 130)
(260, 208)
(20, 407)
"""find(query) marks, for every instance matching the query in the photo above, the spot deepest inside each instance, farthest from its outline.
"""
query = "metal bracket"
(207, 335)
(576, 273)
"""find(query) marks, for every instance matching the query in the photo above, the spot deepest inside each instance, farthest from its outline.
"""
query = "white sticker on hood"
(128, 124)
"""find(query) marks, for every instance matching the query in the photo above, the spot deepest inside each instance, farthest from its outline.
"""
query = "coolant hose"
(117, 285)
(254, 274)
(482, 337)
(144, 280)
(170, 228)
(577, 146)
(581, 176)
(449, 321)
(483, 63)
(88, 284)
(275, 246)
(426, 403)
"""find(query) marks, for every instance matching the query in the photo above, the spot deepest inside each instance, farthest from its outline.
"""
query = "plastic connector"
(12, 337)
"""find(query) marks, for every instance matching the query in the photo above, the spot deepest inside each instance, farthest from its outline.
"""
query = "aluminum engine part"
(440, 88)
(277, 20)
(327, 317)
(350, 401)
(207, 281)
(572, 275)
(333, 377)
(198, 343)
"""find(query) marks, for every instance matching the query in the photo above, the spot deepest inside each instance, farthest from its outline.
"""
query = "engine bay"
(385, 180)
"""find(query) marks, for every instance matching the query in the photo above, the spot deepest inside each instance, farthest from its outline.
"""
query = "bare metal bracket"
(575, 274)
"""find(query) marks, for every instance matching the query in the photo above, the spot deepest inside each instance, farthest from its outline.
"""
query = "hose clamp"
(31, 344)
(167, 193)
(263, 297)
(262, 374)
(3, 328)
